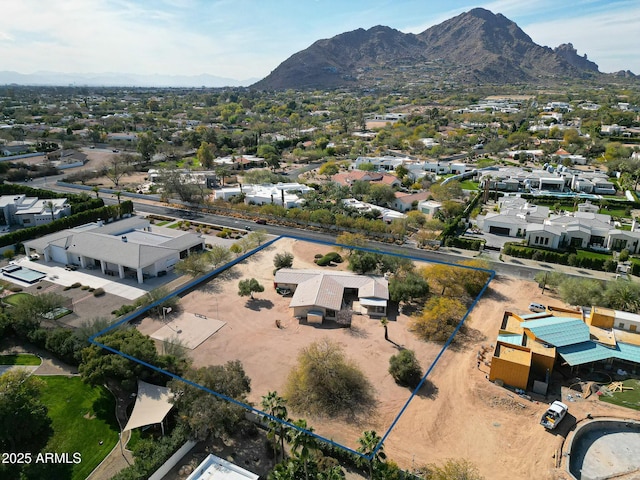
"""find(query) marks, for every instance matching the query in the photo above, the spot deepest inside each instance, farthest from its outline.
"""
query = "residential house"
(8, 150)
(349, 178)
(288, 195)
(529, 346)
(404, 202)
(386, 163)
(429, 207)
(125, 248)
(387, 214)
(30, 211)
(326, 293)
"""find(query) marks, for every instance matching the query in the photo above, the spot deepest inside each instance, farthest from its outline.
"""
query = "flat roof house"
(31, 211)
(126, 248)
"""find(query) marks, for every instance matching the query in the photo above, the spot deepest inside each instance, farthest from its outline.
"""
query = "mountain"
(570, 54)
(119, 80)
(477, 46)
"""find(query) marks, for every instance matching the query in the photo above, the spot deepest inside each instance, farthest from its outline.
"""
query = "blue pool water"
(23, 274)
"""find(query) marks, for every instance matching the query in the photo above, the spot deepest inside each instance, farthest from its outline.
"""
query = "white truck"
(554, 415)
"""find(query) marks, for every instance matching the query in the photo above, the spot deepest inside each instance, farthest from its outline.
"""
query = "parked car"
(34, 256)
(554, 415)
(537, 307)
(261, 221)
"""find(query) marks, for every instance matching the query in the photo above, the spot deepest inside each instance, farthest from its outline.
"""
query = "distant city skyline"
(246, 39)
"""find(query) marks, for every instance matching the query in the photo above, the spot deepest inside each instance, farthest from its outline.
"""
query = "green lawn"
(469, 185)
(15, 298)
(628, 398)
(163, 223)
(615, 212)
(20, 359)
(586, 254)
(82, 417)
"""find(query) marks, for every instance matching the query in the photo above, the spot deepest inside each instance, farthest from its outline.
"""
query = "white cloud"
(609, 39)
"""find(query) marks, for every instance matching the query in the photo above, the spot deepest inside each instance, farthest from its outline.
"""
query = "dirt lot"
(461, 415)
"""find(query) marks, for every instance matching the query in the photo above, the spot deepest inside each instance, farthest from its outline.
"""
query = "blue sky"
(243, 39)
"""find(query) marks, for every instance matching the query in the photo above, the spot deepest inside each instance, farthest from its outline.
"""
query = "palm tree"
(384, 321)
(275, 406)
(118, 194)
(51, 207)
(371, 447)
(302, 443)
(96, 190)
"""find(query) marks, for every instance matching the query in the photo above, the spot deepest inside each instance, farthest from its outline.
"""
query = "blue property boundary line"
(194, 283)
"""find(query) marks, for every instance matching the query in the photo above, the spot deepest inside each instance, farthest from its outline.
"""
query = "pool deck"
(126, 288)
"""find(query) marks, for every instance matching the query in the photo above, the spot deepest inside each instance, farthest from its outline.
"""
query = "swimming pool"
(23, 274)
(605, 448)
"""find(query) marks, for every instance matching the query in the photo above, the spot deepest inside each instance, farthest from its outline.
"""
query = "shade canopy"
(152, 405)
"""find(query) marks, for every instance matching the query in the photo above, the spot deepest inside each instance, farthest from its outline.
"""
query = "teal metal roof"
(587, 352)
(558, 331)
(628, 352)
(511, 338)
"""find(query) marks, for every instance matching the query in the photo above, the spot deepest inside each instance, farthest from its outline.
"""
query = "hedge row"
(563, 258)
(452, 226)
(104, 213)
(466, 243)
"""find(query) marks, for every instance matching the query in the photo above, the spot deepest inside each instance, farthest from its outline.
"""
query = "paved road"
(524, 269)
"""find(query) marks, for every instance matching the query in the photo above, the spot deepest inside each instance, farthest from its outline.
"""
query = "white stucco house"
(288, 195)
(126, 248)
(30, 211)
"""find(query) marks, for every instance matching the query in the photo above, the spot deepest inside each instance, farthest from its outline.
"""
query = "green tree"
(23, 416)
(302, 443)
(405, 368)
(276, 406)
(401, 171)
(382, 195)
(219, 255)
(445, 278)
(324, 382)
(205, 155)
(270, 155)
(581, 291)
(407, 287)
(27, 314)
(100, 365)
(206, 414)
(329, 169)
(147, 146)
(622, 295)
(248, 286)
(370, 446)
(283, 260)
(351, 240)
(448, 191)
(195, 265)
(367, 167)
(439, 319)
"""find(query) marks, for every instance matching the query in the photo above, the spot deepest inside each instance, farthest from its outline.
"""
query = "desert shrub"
(123, 310)
(84, 287)
(624, 255)
(331, 257)
(98, 292)
(610, 265)
(76, 285)
(8, 254)
(405, 369)
(15, 289)
(324, 382)
(283, 260)
(318, 255)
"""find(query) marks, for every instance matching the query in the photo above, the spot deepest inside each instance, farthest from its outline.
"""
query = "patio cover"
(152, 405)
